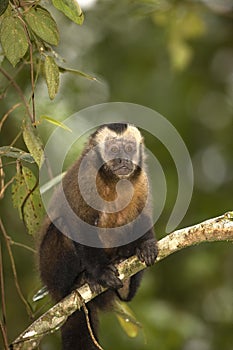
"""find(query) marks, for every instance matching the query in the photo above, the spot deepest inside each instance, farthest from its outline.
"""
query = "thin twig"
(86, 312)
(2, 181)
(85, 309)
(15, 139)
(32, 79)
(30, 191)
(3, 95)
(4, 325)
(31, 65)
(6, 115)
(4, 336)
(19, 91)
(7, 164)
(4, 187)
(21, 245)
(20, 293)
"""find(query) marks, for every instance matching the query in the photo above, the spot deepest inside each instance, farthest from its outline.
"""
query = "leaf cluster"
(28, 35)
(29, 32)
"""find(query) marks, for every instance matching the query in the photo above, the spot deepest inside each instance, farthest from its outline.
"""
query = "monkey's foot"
(147, 252)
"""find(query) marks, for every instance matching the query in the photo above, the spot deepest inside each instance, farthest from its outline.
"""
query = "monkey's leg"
(59, 263)
(130, 287)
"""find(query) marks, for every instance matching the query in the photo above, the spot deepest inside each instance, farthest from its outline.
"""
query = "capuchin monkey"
(115, 152)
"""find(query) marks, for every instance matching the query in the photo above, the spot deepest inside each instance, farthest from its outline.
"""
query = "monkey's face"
(120, 156)
(120, 147)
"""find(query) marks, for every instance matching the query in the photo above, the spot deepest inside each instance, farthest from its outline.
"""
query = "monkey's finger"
(147, 252)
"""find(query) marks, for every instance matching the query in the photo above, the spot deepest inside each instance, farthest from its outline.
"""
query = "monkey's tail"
(75, 332)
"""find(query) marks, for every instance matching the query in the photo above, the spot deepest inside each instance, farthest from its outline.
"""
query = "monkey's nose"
(122, 161)
(119, 160)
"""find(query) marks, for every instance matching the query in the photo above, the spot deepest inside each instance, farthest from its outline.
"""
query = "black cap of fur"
(119, 128)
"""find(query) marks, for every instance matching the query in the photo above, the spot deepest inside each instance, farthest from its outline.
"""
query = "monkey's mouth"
(122, 167)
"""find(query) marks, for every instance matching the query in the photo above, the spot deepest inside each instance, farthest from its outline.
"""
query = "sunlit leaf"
(33, 143)
(51, 183)
(13, 39)
(71, 9)
(193, 25)
(51, 76)
(43, 25)
(180, 53)
(78, 72)
(12, 152)
(26, 198)
(127, 319)
(55, 122)
(40, 294)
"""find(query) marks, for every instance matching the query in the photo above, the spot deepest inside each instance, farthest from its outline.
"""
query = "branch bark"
(215, 229)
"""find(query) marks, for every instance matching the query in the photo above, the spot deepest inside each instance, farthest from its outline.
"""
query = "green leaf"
(127, 319)
(55, 122)
(40, 294)
(78, 72)
(26, 198)
(12, 152)
(3, 6)
(51, 76)
(43, 25)
(51, 183)
(71, 9)
(13, 39)
(33, 143)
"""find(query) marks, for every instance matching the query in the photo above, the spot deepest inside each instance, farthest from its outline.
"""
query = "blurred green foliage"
(175, 57)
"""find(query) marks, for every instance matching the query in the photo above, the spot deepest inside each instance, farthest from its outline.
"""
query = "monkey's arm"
(59, 262)
(99, 269)
(146, 249)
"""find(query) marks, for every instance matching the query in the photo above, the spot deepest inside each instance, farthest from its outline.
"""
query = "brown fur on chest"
(129, 212)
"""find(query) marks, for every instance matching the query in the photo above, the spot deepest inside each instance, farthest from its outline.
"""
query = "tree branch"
(216, 229)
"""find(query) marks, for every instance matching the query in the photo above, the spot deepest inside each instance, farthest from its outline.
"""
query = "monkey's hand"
(147, 252)
(107, 276)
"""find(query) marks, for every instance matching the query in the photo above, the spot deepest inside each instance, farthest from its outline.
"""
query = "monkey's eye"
(114, 149)
(129, 148)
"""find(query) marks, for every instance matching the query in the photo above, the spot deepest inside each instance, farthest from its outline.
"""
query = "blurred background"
(175, 57)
